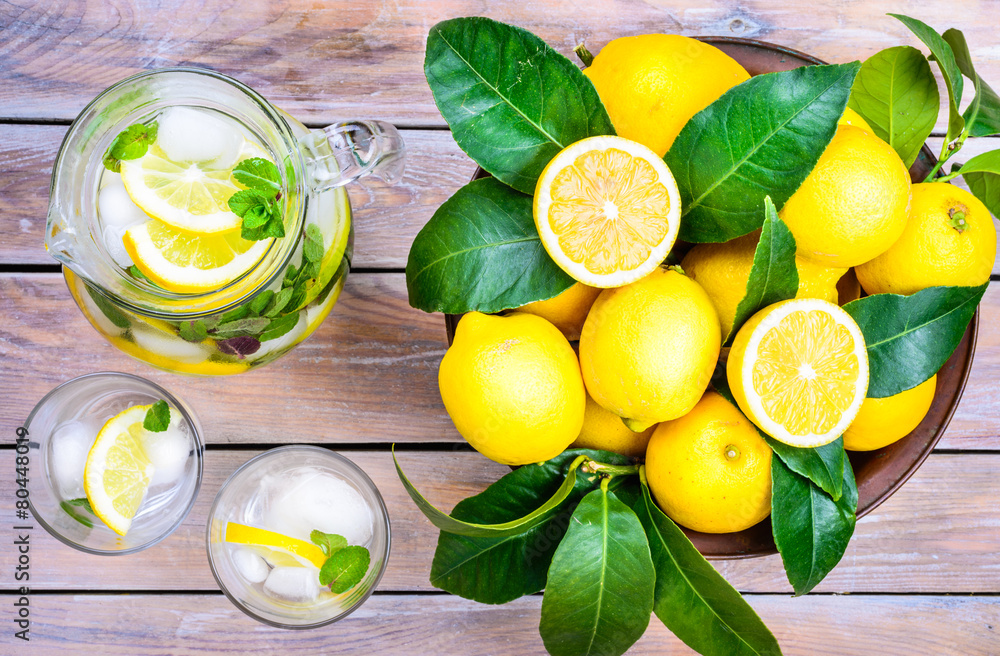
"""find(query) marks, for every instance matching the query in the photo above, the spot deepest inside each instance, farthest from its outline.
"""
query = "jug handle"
(343, 152)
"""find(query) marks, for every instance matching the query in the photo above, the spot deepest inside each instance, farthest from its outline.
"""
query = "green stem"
(584, 54)
(947, 152)
(594, 467)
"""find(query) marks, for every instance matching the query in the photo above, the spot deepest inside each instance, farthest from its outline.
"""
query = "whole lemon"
(512, 386)
(568, 310)
(724, 269)
(648, 349)
(880, 422)
(949, 240)
(605, 430)
(853, 205)
(710, 470)
(653, 84)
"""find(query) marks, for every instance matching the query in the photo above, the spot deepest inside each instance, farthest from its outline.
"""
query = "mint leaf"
(345, 568)
(312, 247)
(70, 508)
(280, 301)
(135, 272)
(330, 543)
(279, 326)
(131, 143)
(157, 417)
(193, 331)
(261, 301)
(258, 173)
(241, 346)
(247, 326)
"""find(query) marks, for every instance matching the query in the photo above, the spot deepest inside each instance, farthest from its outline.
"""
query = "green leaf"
(114, 315)
(909, 338)
(157, 417)
(982, 117)
(258, 173)
(985, 187)
(811, 530)
(692, 599)
(599, 594)
(761, 138)
(193, 331)
(248, 326)
(261, 301)
(517, 526)
(945, 58)
(512, 101)
(280, 326)
(896, 93)
(497, 570)
(131, 143)
(280, 301)
(773, 276)
(988, 162)
(345, 568)
(823, 465)
(481, 251)
(250, 204)
(312, 247)
(328, 542)
(70, 508)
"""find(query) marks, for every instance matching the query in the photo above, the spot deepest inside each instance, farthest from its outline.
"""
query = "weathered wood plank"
(144, 625)
(938, 533)
(377, 381)
(322, 62)
(369, 374)
(386, 219)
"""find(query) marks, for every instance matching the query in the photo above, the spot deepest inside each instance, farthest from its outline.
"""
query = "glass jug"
(153, 288)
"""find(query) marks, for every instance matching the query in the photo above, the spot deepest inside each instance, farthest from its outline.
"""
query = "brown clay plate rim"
(874, 485)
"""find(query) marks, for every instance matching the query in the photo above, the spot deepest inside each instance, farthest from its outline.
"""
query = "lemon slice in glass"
(187, 263)
(278, 549)
(117, 473)
(190, 196)
(607, 210)
(799, 370)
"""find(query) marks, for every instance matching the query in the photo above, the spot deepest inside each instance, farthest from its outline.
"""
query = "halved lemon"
(189, 196)
(184, 262)
(799, 370)
(277, 548)
(117, 473)
(607, 210)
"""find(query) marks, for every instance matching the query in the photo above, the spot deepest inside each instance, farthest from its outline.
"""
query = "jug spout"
(343, 152)
(60, 238)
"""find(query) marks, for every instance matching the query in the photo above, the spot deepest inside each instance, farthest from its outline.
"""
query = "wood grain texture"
(386, 218)
(950, 548)
(322, 62)
(402, 625)
(369, 374)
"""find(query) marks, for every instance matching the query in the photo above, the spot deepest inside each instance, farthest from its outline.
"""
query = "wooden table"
(920, 577)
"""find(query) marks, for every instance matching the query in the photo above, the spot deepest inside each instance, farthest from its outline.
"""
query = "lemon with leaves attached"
(648, 349)
(710, 470)
(853, 205)
(651, 85)
(950, 240)
(512, 386)
(607, 210)
(799, 370)
(880, 422)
